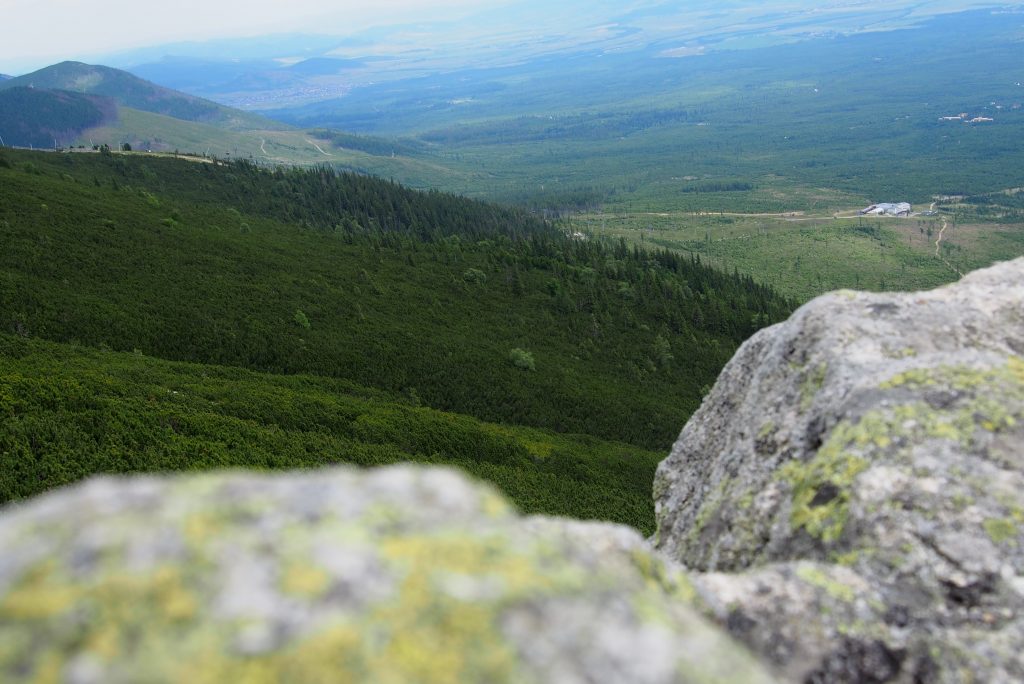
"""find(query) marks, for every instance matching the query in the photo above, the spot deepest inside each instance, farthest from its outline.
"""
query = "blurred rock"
(395, 575)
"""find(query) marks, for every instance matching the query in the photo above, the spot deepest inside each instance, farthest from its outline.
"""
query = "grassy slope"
(130, 91)
(67, 412)
(151, 117)
(148, 131)
(804, 257)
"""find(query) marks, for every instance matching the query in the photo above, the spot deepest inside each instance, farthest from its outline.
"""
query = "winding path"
(938, 248)
(318, 148)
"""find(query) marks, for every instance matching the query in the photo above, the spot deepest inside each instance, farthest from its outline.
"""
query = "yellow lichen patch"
(104, 641)
(305, 580)
(435, 636)
(495, 506)
(811, 385)
(848, 559)
(134, 598)
(38, 596)
(1016, 368)
(990, 402)
(175, 601)
(437, 639)
(817, 577)
(766, 430)
(49, 670)
(334, 655)
(833, 468)
(517, 572)
(114, 610)
(331, 656)
(960, 377)
(202, 526)
(660, 577)
(1001, 530)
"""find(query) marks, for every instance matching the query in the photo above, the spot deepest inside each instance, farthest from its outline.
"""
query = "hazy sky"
(38, 32)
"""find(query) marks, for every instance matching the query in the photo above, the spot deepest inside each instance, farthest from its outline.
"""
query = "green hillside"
(67, 412)
(89, 106)
(146, 131)
(132, 91)
(44, 118)
(425, 295)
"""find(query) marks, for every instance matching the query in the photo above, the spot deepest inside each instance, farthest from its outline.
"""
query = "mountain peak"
(125, 89)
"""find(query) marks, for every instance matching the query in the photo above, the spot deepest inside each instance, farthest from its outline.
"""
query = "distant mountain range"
(74, 104)
(131, 91)
(60, 104)
(4, 77)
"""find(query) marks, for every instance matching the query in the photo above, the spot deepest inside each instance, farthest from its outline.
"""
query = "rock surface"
(396, 575)
(853, 487)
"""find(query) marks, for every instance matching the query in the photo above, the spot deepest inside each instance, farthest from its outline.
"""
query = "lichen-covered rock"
(396, 575)
(855, 482)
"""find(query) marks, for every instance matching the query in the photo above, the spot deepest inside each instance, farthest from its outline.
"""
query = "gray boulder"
(852, 490)
(396, 575)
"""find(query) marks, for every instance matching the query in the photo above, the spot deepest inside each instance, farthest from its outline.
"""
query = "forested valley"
(202, 311)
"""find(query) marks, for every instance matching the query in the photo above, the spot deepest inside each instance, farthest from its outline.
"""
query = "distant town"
(966, 118)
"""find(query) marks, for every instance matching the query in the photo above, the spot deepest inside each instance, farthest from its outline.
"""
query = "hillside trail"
(318, 148)
(938, 248)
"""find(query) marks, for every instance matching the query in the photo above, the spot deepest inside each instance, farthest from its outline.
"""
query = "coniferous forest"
(167, 314)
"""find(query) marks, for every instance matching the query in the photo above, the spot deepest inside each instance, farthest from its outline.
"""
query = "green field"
(803, 256)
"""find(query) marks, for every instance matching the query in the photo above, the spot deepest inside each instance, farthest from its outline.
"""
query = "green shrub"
(522, 359)
(474, 276)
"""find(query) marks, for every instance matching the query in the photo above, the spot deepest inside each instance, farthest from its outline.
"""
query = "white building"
(888, 209)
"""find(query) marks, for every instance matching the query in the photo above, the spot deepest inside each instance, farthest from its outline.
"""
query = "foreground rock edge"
(395, 575)
(850, 496)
